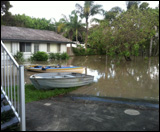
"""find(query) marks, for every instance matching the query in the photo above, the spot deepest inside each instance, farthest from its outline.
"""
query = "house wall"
(14, 47)
(54, 48)
(58, 48)
(32, 48)
(43, 47)
(26, 55)
(8, 46)
(63, 48)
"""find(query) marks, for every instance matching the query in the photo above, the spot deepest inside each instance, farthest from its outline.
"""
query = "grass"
(33, 94)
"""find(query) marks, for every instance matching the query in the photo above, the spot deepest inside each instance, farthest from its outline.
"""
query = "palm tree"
(72, 25)
(109, 15)
(88, 10)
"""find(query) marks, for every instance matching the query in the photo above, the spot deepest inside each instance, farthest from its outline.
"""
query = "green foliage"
(19, 56)
(64, 56)
(89, 9)
(52, 56)
(127, 34)
(5, 5)
(33, 94)
(59, 56)
(71, 26)
(80, 51)
(28, 22)
(39, 56)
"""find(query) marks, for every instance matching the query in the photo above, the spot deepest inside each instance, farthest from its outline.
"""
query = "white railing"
(12, 85)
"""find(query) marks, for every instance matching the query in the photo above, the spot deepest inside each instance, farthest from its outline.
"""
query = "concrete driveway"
(69, 113)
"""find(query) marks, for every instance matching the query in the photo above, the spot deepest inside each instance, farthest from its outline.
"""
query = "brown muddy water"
(137, 79)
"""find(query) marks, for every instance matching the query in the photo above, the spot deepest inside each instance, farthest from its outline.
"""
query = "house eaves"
(36, 41)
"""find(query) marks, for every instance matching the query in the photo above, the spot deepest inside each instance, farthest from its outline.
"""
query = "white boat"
(60, 80)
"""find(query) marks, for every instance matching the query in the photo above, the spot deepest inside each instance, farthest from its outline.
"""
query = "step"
(11, 122)
(2, 97)
(5, 108)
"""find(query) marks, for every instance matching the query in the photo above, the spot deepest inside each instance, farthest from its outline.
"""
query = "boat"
(58, 68)
(47, 81)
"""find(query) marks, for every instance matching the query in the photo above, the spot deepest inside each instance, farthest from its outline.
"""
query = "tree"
(144, 6)
(72, 25)
(5, 14)
(27, 21)
(89, 9)
(132, 4)
(127, 33)
(113, 13)
(5, 5)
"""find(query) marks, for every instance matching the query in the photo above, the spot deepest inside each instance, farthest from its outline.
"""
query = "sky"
(55, 9)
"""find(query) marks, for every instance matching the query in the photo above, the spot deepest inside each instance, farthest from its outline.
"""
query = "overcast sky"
(55, 9)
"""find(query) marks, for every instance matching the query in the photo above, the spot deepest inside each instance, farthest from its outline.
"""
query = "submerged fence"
(12, 85)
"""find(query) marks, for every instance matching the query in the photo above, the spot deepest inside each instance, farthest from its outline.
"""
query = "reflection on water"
(138, 79)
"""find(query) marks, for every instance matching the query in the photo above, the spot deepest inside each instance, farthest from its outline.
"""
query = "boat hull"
(59, 81)
(68, 69)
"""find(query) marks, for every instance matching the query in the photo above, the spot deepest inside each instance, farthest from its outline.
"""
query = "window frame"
(36, 46)
(23, 46)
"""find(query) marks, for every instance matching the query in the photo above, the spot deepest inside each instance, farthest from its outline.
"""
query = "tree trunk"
(150, 49)
(86, 37)
(76, 35)
(157, 53)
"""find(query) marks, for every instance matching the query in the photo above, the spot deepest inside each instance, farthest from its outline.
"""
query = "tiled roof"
(28, 34)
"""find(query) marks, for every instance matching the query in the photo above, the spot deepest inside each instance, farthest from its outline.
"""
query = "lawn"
(33, 94)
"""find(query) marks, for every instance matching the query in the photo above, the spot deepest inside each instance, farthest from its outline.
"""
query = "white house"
(30, 41)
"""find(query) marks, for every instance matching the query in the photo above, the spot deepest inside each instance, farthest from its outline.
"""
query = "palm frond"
(96, 9)
(79, 8)
(95, 20)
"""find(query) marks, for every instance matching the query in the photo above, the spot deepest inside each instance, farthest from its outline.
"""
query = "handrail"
(12, 85)
(10, 55)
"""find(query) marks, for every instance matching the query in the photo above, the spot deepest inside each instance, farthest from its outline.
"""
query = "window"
(48, 47)
(59, 47)
(25, 47)
(36, 48)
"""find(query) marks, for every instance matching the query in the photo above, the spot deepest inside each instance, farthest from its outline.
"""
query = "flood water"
(137, 79)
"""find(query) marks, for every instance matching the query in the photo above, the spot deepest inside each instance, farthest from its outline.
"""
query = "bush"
(64, 56)
(40, 56)
(19, 56)
(82, 51)
(78, 51)
(52, 56)
(58, 56)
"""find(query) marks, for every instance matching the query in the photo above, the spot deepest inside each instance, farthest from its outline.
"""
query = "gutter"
(46, 41)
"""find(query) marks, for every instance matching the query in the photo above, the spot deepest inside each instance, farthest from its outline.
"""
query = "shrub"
(82, 51)
(79, 51)
(40, 56)
(58, 56)
(19, 56)
(52, 56)
(64, 56)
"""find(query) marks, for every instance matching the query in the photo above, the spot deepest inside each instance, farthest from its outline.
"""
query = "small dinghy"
(58, 68)
(48, 81)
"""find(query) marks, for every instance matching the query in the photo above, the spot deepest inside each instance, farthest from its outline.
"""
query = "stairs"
(8, 119)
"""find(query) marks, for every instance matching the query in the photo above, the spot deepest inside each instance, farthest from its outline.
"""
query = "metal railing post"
(22, 98)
